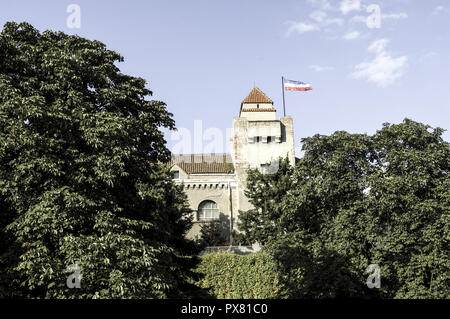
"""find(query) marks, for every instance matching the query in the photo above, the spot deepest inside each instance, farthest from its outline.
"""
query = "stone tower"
(258, 138)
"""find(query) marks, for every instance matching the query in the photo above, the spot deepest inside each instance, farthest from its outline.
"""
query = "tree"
(320, 255)
(213, 233)
(265, 193)
(83, 178)
(409, 210)
(355, 200)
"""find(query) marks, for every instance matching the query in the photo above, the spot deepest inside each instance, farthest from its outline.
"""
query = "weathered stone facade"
(215, 183)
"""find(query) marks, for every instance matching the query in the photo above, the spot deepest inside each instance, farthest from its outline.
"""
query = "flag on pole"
(290, 85)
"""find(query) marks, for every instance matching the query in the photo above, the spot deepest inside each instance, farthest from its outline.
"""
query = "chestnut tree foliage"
(353, 200)
(83, 178)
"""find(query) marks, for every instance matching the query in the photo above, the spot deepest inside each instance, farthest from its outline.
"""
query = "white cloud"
(320, 19)
(385, 16)
(384, 69)
(319, 68)
(350, 5)
(318, 16)
(378, 46)
(322, 4)
(352, 35)
(430, 55)
(358, 18)
(395, 16)
(439, 9)
(337, 21)
(300, 27)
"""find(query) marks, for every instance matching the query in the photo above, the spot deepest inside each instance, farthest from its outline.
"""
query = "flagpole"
(282, 89)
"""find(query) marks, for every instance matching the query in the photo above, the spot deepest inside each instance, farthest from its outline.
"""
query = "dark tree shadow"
(215, 232)
(322, 274)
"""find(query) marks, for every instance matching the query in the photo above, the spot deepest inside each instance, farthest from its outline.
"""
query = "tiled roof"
(257, 96)
(203, 163)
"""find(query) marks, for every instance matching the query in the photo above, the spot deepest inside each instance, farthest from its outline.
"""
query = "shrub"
(232, 276)
(213, 234)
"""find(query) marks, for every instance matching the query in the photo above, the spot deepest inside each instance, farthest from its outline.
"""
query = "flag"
(290, 85)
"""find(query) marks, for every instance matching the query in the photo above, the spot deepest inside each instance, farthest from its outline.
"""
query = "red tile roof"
(203, 163)
(256, 96)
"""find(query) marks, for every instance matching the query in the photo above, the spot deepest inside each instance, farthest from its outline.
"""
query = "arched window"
(207, 210)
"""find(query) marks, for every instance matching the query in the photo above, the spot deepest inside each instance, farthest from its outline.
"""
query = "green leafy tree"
(320, 255)
(355, 200)
(214, 233)
(409, 211)
(83, 178)
(265, 192)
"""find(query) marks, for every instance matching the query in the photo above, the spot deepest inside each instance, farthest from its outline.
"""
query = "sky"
(368, 61)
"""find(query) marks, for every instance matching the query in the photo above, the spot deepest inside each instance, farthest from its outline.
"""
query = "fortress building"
(215, 183)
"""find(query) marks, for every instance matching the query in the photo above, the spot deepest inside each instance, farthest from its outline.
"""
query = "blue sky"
(203, 57)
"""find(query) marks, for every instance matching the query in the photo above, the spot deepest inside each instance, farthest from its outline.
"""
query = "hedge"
(232, 276)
